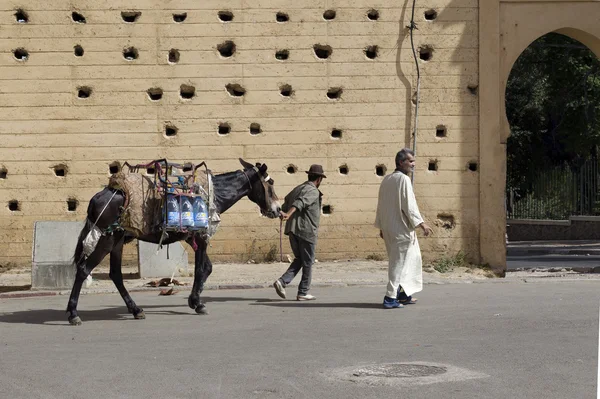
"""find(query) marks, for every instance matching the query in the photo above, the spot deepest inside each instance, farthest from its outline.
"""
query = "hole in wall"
(225, 16)
(114, 167)
(130, 53)
(255, 129)
(60, 170)
(187, 92)
(224, 128)
(329, 15)
(21, 54)
(473, 89)
(171, 130)
(432, 166)
(3, 173)
(336, 134)
(430, 15)
(21, 16)
(180, 17)
(155, 93)
(130, 16)
(373, 14)
(441, 131)
(286, 90)
(14, 206)
(335, 93)
(446, 221)
(282, 17)
(344, 169)
(380, 170)
(150, 171)
(226, 49)
(84, 92)
(77, 17)
(327, 209)
(187, 167)
(72, 204)
(425, 53)
(291, 169)
(282, 55)
(322, 51)
(173, 56)
(78, 51)
(472, 166)
(235, 90)
(371, 52)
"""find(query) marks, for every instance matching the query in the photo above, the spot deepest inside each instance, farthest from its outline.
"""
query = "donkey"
(228, 189)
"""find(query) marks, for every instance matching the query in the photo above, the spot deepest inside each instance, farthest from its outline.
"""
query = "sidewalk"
(16, 283)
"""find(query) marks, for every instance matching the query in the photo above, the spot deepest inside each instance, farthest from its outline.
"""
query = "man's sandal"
(408, 301)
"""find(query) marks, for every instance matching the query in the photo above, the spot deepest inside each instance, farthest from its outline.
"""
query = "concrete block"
(152, 264)
(53, 247)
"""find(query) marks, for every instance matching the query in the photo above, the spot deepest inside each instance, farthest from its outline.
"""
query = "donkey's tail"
(78, 256)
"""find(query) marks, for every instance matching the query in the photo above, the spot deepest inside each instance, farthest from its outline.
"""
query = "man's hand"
(285, 216)
(426, 229)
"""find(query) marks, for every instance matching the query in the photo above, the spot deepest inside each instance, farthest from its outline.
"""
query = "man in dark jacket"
(302, 213)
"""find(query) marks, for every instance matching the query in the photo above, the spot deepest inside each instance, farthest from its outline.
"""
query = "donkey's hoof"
(75, 321)
(201, 309)
(139, 315)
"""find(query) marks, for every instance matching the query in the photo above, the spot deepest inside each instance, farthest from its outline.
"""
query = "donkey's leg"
(84, 268)
(202, 269)
(116, 275)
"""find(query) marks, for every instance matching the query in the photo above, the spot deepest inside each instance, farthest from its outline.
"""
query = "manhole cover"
(403, 374)
(399, 370)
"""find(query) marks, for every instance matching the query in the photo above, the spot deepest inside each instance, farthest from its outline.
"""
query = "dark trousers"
(304, 257)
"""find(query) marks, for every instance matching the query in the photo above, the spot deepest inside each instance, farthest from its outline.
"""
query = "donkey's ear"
(262, 168)
(245, 164)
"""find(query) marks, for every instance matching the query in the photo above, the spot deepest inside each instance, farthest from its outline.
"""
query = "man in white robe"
(397, 218)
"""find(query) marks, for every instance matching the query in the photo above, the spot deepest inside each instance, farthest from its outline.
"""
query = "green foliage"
(552, 104)
(448, 263)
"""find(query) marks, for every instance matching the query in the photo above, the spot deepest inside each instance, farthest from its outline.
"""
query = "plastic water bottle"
(187, 216)
(172, 211)
(200, 213)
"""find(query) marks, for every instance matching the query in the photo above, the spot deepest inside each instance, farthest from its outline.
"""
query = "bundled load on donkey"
(164, 208)
(175, 198)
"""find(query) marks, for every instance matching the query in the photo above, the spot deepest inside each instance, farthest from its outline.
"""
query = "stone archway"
(507, 27)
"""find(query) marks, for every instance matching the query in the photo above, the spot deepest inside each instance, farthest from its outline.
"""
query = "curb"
(217, 287)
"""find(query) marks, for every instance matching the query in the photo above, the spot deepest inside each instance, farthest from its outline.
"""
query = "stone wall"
(86, 86)
(576, 228)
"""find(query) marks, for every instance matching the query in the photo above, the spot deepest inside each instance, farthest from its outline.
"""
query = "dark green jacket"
(304, 223)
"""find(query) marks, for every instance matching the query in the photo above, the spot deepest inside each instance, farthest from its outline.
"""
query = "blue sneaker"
(391, 303)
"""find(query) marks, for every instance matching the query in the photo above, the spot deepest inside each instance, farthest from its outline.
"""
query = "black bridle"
(257, 174)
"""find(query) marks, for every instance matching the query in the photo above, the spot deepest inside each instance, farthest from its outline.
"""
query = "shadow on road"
(53, 317)
(304, 304)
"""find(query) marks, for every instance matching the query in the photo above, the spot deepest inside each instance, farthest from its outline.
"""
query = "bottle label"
(186, 216)
(173, 217)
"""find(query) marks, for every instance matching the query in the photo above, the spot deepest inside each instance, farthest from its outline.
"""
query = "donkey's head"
(262, 190)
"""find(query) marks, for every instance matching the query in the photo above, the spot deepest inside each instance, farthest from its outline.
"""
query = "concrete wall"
(507, 27)
(44, 125)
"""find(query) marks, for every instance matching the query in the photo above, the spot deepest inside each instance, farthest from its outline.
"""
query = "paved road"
(551, 261)
(498, 339)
